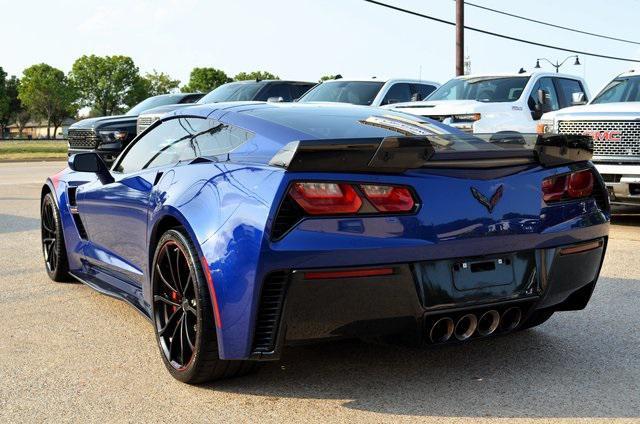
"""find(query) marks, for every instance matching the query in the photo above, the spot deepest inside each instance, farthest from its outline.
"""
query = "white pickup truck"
(612, 118)
(499, 102)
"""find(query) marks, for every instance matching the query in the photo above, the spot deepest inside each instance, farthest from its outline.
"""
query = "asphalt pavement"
(70, 354)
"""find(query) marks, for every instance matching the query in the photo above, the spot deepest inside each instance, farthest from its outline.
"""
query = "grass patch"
(33, 150)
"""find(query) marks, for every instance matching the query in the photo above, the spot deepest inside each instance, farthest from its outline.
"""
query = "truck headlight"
(467, 117)
(545, 126)
(113, 136)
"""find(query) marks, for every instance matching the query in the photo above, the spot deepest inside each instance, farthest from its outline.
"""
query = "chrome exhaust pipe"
(488, 322)
(465, 327)
(510, 318)
(441, 330)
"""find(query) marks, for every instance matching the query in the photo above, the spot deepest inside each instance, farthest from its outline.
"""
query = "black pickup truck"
(108, 135)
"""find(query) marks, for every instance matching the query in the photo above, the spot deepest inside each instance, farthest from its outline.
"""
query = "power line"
(507, 37)
(524, 18)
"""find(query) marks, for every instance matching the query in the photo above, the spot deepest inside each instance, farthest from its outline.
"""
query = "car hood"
(597, 109)
(441, 107)
(102, 121)
(167, 108)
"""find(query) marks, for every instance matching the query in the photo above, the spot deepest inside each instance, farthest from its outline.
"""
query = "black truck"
(108, 135)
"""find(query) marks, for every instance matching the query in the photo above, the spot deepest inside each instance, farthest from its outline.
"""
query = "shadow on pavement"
(578, 364)
(17, 224)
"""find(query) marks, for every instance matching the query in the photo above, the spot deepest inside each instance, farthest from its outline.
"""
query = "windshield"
(620, 90)
(152, 102)
(233, 92)
(485, 89)
(355, 92)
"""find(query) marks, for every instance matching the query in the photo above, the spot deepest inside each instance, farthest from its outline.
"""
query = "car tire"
(52, 239)
(537, 318)
(180, 288)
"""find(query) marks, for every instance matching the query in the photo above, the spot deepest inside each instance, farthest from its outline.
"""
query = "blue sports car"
(240, 228)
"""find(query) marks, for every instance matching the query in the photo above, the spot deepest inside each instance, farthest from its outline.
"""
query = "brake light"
(572, 186)
(322, 198)
(389, 198)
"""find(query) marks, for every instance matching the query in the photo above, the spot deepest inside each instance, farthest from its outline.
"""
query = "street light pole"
(557, 65)
(459, 37)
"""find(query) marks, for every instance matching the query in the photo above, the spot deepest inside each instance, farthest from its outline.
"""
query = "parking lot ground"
(68, 353)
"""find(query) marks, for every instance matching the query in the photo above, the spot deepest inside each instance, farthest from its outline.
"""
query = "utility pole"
(459, 37)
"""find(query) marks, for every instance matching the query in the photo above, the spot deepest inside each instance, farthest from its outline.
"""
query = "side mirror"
(578, 98)
(416, 97)
(275, 100)
(90, 162)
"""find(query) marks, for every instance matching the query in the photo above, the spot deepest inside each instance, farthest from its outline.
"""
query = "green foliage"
(4, 101)
(10, 105)
(260, 75)
(160, 83)
(47, 93)
(152, 84)
(105, 83)
(327, 77)
(203, 80)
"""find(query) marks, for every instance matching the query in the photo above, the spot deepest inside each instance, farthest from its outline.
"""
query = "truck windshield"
(355, 92)
(233, 92)
(482, 89)
(155, 101)
(620, 90)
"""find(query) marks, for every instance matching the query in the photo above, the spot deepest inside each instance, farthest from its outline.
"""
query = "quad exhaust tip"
(465, 327)
(441, 330)
(510, 318)
(488, 323)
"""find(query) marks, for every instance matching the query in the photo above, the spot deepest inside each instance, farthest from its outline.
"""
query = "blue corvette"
(240, 228)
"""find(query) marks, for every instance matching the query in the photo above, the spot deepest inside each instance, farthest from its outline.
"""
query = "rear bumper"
(623, 183)
(313, 304)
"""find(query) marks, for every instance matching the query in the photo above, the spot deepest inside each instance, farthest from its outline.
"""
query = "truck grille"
(83, 139)
(144, 122)
(628, 143)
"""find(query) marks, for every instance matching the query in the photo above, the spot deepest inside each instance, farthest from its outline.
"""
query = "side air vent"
(73, 208)
(288, 216)
(270, 312)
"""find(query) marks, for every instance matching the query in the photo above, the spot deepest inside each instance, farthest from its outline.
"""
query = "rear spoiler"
(399, 154)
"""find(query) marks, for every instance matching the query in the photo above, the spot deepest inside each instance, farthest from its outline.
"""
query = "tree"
(152, 84)
(327, 77)
(4, 101)
(46, 93)
(22, 118)
(255, 75)
(203, 80)
(105, 83)
(160, 83)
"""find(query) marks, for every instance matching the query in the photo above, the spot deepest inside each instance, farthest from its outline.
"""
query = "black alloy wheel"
(183, 314)
(175, 303)
(53, 248)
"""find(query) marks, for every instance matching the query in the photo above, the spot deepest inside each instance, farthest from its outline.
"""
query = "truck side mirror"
(90, 162)
(275, 100)
(578, 98)
(416, 97)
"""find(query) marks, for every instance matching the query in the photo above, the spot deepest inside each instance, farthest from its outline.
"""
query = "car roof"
(291, 121)
(516, 74)
(381, 80)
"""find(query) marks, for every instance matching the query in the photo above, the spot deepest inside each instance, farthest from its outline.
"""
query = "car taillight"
(329, 198)
(389, 198)
(569, 186)
(321, 198)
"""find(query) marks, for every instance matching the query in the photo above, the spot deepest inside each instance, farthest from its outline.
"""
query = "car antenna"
(522, 71)
(338, 76)
(258, 79)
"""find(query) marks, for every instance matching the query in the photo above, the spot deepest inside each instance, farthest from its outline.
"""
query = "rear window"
(233, 92)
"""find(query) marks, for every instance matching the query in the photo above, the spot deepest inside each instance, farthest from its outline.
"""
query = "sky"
(305, 39)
